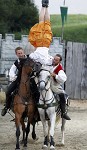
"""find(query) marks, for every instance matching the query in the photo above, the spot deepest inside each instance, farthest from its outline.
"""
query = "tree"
(17, 15)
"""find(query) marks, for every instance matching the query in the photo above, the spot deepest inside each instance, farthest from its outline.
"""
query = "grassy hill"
(75, 29)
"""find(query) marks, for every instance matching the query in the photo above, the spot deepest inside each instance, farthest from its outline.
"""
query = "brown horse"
(24, 103)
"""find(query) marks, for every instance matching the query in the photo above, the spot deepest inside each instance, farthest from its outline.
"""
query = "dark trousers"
(62, 102)
(34, 89)
(11, 87)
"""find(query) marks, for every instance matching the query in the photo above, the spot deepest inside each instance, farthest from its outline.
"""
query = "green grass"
(75, 29)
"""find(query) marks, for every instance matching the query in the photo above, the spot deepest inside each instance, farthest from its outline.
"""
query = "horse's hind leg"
(33, 131)
(62, 130)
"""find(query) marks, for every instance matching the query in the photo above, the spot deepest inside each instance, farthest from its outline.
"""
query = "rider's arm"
(13, 73)
(61, 77)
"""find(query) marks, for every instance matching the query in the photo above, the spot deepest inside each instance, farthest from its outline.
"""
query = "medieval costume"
(56, 86)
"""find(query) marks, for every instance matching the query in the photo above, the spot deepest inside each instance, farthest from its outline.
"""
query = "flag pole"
(62, 26)
(63, 17)
(64, 3)
(62, 32)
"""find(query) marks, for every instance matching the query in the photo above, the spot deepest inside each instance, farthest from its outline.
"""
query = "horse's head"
(37, 67)
(44, 78)
(30, 66)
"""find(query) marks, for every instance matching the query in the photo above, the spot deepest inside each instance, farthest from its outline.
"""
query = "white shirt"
(41, 55)
(13, 72)
(60, 79)
(61, 76)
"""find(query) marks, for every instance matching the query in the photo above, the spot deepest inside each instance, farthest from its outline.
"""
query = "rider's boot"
(63, 107)
(64, 113)
(5, 109)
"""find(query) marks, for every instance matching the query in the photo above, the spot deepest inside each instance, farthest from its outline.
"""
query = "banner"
(63, 10)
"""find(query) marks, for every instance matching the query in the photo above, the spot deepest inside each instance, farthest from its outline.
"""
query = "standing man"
(58, 78)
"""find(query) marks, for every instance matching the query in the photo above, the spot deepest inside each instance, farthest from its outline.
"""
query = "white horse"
(47, 108)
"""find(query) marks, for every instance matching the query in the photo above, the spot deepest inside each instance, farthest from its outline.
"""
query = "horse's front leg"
(27, 132)
(17, 122)
(62, 130)
(52, 116)
(23, 129)
(45, 131)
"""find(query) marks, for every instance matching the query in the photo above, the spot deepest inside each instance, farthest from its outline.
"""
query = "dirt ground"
(75, 131)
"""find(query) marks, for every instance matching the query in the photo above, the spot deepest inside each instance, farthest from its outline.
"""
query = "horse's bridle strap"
(23, 103)
(45, 106)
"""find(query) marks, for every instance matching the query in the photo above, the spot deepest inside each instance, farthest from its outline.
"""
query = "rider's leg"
(10, 89)
(63, 106)
(47, 15)
(44, 15)
(34, 89)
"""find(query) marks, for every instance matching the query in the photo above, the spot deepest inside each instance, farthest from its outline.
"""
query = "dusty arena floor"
(75, 131)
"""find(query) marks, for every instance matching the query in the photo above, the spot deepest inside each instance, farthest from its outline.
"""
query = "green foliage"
(75, 29)
(17, 15)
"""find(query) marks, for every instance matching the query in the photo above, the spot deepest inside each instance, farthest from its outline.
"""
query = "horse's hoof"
(21, 142)
(45, 147)
(37, 138)
(52, 147)
(25, 148)
(33, 136)
(62, 144)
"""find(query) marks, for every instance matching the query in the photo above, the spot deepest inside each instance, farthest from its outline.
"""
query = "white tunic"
(41, 55)
(56, 86)
(13, 72)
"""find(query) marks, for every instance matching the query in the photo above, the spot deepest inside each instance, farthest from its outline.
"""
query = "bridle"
(45, 105)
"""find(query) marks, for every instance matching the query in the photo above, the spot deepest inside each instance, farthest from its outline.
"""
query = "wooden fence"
(76, 70)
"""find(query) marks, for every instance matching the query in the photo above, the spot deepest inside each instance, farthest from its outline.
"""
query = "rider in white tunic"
(58, 79)
(15, 76)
